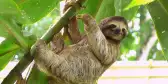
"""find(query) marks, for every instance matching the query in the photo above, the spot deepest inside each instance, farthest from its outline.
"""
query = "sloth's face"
(115, 29)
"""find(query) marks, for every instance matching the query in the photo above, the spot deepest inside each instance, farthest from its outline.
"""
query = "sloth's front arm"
(105, 51)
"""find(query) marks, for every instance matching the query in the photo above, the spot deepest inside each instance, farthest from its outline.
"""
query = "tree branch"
(146, 49)
(28, 57)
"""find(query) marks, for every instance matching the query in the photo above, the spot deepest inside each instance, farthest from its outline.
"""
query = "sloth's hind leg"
(45, 58)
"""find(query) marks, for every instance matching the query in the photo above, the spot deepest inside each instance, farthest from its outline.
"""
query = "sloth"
(85, 61)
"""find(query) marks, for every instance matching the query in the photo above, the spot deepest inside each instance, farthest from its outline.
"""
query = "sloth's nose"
(117, 31)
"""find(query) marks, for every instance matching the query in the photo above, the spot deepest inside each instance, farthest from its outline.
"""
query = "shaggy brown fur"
(84, 62)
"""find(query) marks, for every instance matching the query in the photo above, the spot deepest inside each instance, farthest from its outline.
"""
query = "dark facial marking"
(105, 21)
(123, 29)
(117, 31)
(108, 26)
(124, 32)
(111, 26)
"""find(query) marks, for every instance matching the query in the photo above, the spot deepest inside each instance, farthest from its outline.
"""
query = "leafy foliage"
(160, 18)
(22, 22)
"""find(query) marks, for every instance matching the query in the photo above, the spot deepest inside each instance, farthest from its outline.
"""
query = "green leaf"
(119, 9)
(3, 32)
(15, 31)
(138, 3)
(92, 7)
(106, 9)
(36, 9)
(7, 46)
(9, 9)
(125, 44)
(164, 4)
(160, 19)
(37, 77)
(11, 30)
(6, 58)
(26, 11)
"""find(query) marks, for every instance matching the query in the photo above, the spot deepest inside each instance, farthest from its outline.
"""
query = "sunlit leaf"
(36, 9)
(6, 58)
(7, 46)
(9, 9)
(15, 31)
(160, 19)
(164, 4)
(119, 9)
(137, 3)
(3, 32)
(106, 9)
(92, 7)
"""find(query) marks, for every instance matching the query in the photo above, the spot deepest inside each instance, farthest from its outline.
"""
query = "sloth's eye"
(111, 26)
(123, 30)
